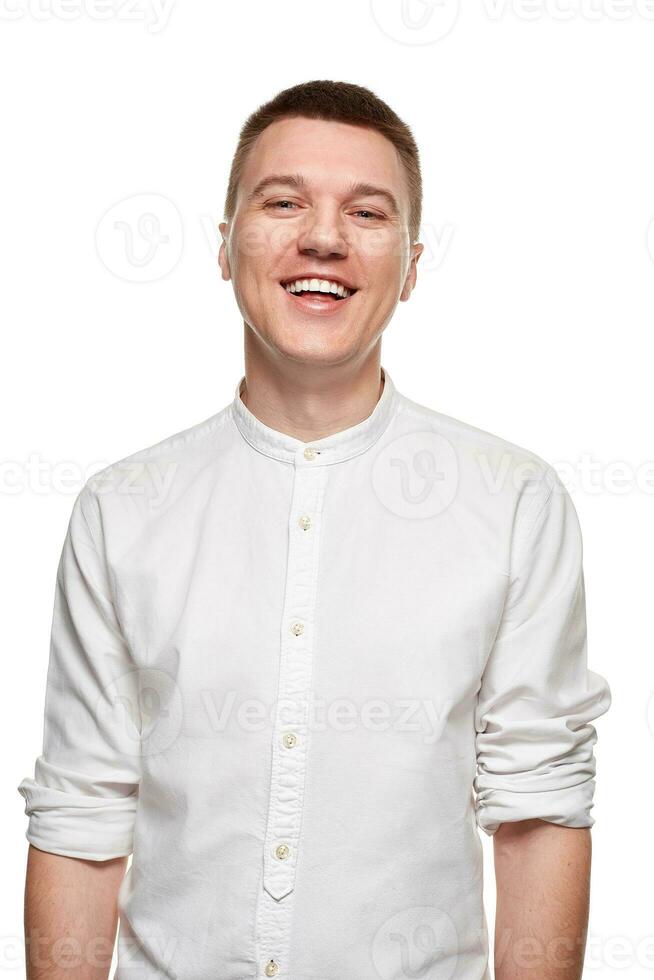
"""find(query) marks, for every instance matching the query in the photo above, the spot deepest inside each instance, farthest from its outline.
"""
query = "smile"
(319, 292)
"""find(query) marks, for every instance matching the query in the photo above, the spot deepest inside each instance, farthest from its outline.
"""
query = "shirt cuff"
(75, 823)
(567, 801)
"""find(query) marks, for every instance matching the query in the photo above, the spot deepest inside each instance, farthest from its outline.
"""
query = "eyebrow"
(358, 188)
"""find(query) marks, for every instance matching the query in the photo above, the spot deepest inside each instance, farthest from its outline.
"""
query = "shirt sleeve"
(83, 797)
(537, 699)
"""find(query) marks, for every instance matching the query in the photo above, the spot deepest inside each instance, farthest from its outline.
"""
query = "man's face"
(301, 216)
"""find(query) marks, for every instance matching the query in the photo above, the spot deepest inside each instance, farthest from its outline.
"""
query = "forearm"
(543, 888)
(71, 916)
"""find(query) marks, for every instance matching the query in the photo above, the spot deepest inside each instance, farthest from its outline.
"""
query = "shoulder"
(480, 454)
(177, 457)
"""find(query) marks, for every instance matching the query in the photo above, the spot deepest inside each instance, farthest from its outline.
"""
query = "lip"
(311, 303)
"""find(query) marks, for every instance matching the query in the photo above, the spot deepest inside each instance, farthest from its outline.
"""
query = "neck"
(310, 400)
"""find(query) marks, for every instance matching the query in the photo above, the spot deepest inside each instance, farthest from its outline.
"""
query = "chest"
(388, 605)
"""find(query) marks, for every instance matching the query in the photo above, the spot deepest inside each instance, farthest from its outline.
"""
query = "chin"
(309, 341)
(317, 353)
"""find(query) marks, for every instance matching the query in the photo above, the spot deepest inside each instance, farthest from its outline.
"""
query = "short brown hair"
(338, 102)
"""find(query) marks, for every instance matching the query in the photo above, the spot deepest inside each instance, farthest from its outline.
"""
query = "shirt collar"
(334, 448)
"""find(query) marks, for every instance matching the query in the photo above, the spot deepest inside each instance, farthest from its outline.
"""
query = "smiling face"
(318, 248)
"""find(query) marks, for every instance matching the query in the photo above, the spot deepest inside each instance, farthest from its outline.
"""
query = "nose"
(322, 235)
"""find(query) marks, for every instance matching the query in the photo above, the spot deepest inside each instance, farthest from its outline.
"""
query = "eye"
(276, 204)
(371, 215)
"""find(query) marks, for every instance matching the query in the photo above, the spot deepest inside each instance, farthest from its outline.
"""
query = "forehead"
(329, 155)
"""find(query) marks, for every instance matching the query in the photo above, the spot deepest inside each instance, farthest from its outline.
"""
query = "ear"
(412, 274)
(223, 260)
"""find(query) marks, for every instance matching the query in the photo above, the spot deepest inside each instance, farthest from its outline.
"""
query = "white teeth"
(317, 286)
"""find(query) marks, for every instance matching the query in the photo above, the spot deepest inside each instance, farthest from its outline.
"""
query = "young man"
(303, 650)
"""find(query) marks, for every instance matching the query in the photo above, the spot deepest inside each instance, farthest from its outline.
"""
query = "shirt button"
(289, 739)
(310, 452)
(297, 628)
(282, 851)
(305, 522)
(272, 968)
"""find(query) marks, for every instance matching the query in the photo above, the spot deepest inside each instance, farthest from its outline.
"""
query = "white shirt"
(293, 680)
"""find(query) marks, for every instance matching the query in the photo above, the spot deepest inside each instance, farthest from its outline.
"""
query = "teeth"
(317, 286)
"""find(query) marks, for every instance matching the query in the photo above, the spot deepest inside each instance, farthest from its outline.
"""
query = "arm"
(535, 761)
(70, 916)
(543, 890)
(83, 798)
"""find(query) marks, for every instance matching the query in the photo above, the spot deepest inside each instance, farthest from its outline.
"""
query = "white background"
(532, 317)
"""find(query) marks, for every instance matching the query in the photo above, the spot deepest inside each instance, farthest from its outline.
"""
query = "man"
(305, 649)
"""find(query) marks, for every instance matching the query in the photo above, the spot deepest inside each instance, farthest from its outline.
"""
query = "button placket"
(291, 720)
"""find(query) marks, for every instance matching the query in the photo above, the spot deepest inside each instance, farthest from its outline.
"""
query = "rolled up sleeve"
(83, 798)
(537, 699)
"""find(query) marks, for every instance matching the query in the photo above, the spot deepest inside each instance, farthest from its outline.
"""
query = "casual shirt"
(295, 680)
